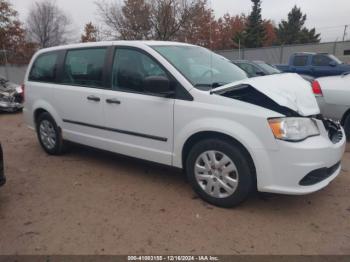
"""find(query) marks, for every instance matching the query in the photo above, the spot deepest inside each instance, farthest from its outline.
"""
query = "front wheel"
(220, 173)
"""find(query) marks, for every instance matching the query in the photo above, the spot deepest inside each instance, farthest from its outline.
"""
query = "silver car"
(333, 97)
(11, 96)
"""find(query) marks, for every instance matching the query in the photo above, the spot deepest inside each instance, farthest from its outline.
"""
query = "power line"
(331, 27)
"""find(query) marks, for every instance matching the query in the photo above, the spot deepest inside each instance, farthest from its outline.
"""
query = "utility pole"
(239, 48)
(345, 28)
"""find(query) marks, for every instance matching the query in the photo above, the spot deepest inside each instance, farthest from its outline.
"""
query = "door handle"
(94, 98)
(113, 101)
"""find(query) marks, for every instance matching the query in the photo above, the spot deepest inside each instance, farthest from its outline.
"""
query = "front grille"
(318, 175)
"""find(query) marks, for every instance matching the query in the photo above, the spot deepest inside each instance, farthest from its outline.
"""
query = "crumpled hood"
(287, 90)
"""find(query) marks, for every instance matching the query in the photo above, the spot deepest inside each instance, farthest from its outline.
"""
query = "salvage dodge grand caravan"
(184, 106)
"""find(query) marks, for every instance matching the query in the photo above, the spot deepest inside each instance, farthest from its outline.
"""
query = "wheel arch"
(346, 115)
(200, 136)
(42, 107)
(38, 112)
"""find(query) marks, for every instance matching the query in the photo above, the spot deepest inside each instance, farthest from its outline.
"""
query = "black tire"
(60, 145)
(246, 174)
(347, 127)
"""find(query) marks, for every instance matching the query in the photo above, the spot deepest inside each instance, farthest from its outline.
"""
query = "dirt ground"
(94, 202)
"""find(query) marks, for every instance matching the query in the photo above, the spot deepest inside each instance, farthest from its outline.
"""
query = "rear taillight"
(22, 94)
(316, 88)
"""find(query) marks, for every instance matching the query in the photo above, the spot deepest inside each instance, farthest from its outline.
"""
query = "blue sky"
(328, 16)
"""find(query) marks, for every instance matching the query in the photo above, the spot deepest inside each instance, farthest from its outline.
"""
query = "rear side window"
(300, 60)
(44, 68)
(321, 60)
(84, 67)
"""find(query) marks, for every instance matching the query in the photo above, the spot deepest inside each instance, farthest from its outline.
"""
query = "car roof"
(310, 53)
(241, 61)
(254, 62)
(134, 43)
(259, 62)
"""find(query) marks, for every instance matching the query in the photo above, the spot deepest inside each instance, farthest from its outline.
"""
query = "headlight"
(293, 128)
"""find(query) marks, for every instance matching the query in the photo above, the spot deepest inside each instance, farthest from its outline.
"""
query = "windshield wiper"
(213, 85)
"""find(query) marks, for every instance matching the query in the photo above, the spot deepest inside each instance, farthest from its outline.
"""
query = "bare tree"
(110, 14)
(128, 21)
(47, 24)
(169, 17)
(148, 19)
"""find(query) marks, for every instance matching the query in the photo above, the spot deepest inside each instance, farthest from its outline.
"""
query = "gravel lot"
(95, 202)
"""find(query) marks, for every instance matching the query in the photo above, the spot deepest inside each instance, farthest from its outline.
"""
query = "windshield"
(269, 68)
(335, 59)
(203, 68)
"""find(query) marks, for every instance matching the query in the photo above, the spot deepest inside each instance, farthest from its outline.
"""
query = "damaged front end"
(11, 96)
(249, 94)
(292, 99)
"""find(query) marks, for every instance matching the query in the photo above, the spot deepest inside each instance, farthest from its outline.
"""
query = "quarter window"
(85, 67)
(131, 67)
(300, 60)
(44, 68)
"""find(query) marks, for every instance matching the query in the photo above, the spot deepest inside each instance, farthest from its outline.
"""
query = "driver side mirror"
(158, 85)
(260, 73)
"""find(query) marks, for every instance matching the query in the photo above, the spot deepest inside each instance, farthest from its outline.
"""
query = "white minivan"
(184, 106)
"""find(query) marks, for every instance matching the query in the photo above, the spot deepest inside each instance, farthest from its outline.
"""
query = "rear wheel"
(49, 135)
(219, 172)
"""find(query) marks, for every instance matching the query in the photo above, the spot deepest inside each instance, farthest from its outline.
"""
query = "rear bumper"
(10, 106)
(284, 170)
(332, 111)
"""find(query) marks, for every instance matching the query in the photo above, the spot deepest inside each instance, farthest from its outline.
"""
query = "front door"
(321, 66)
(141, 124)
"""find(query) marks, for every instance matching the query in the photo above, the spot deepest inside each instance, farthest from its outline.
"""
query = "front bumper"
(284, 170)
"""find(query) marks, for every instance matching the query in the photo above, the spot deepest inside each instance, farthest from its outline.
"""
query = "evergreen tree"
(255, 33)
(90, 33)
(293, 30)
